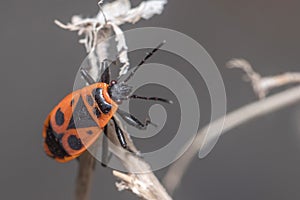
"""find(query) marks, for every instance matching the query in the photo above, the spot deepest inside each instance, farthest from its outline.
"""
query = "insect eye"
(118, 101)
(113, 82)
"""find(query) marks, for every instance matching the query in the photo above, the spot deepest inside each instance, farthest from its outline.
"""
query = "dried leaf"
(121, 48)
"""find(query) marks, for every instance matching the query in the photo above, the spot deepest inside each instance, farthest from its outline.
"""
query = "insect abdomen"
(53, 142)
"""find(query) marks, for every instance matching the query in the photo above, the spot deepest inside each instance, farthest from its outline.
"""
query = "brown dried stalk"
(262, 85)
(141, 181)
(232, 120)
(97, 29)
(136, 183)
(84, 179)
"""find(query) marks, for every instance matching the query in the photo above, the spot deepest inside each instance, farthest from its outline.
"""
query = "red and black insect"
(79, 119)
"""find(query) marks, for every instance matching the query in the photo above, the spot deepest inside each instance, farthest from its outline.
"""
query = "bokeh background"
(39, 61)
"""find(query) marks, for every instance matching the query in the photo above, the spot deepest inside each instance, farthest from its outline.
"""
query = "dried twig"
(145, 189)
(262, 85)
(140, 180)
(85, 172)
(232, 120)
(96, 29)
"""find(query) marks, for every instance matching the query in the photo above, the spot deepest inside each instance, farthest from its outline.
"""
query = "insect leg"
(105, 153)
(120, 136)
(133, 121)
(87, 77)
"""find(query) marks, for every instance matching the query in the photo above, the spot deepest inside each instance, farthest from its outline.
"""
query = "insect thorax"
(119, 91)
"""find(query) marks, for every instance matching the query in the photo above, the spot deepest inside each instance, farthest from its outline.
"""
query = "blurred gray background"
(259, 160)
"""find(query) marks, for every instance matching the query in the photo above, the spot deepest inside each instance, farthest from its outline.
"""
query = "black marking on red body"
(97, 112)
(90, 132)
(72, 102)
(59, 117)
(81, 117)
(71, 124)
(104, 106)
(74, 142)
(53, 141)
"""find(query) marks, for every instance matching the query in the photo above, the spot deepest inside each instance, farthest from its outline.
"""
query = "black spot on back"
(74, 142)
(59, 117)
(81, 117)
(89, 132)
(53, 141)
(90, 100)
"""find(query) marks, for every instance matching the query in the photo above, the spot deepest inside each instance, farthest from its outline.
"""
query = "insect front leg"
(133, 121)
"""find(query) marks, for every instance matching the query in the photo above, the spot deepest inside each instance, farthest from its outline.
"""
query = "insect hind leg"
(106, 155)
(120, 136)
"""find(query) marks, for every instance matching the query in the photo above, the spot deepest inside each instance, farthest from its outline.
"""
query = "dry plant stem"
(145, 185)
(232, 120)
(140, 180)
(84, 178)
(133, 182)
(94, 31)
(262, 85)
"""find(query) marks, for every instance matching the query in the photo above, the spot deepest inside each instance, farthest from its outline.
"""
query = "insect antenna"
(87, 77)
(143, 61)
(134, 96)
(105, 76)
